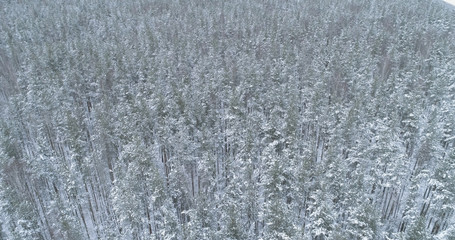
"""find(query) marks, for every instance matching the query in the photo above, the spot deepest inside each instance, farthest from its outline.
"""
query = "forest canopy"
(239, 119)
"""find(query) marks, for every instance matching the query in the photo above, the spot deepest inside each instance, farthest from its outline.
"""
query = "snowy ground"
(450, 1)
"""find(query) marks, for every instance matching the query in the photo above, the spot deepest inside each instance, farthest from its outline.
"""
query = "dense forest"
(239, 119)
